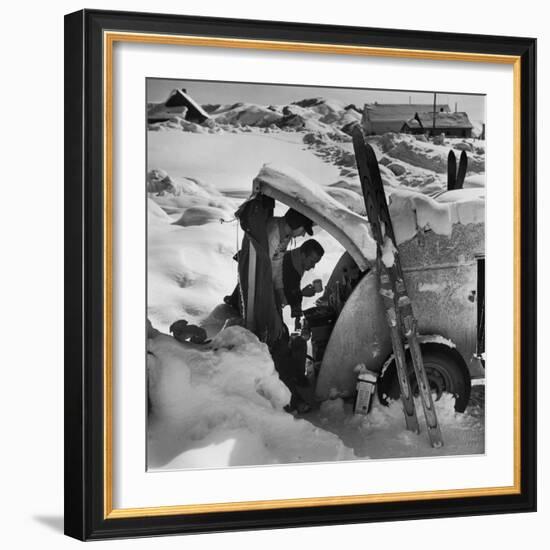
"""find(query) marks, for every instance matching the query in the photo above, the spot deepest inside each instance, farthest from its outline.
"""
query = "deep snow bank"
(223, 406)
(426, 154)
(190, 269)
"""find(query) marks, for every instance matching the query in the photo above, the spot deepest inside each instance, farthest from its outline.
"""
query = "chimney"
(435, 102)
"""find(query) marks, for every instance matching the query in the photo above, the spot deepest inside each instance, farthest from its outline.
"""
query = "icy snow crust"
(222, 404)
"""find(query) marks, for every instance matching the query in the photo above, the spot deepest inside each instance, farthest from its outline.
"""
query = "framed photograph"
(300, 274)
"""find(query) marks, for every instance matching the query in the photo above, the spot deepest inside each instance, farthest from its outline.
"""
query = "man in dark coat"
(291, 361)
(295, 264)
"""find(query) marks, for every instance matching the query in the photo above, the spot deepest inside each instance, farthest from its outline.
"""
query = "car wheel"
(445, 374)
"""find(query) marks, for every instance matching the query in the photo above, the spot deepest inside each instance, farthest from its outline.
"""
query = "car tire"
(446, 374)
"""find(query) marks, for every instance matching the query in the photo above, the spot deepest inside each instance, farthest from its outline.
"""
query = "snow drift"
(425, 154)
(189, 269)
(246, 114)
(223, 406)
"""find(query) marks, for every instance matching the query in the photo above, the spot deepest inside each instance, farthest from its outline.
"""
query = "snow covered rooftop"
(180, 98)
(442, 120)
(399, 111)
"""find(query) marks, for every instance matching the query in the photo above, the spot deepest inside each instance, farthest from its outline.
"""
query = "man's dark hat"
(295, 220)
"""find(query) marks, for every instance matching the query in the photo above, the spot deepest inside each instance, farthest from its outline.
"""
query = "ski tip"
(361, 147)
(451, 171)
(372, 162)
(462, 169)
(357, 136)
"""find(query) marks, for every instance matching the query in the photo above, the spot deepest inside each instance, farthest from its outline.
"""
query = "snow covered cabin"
(179, 103)
(450, 124)
(379, 118)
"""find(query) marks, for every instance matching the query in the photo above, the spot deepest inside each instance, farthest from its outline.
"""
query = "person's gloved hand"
(308, 291)
(184, 332)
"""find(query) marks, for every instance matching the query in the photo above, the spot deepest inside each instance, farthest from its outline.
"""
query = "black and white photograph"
(271, 269)
(315, 274)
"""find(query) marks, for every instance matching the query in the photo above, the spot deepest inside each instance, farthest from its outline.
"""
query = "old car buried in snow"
(441, 244)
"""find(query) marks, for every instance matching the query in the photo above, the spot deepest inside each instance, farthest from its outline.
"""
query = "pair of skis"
(455, 179)
(399, 312)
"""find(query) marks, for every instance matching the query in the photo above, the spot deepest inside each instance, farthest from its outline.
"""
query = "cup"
(318, 285)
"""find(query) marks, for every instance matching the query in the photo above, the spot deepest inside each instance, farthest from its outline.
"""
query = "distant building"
(179, 103)
(379, 118)
(450, 124)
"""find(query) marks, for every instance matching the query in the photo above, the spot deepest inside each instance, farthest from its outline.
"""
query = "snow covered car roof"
(411, 211)
(292, 188)
(472, 194)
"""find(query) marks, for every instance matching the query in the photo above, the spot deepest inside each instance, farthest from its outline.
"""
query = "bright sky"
(279, 94)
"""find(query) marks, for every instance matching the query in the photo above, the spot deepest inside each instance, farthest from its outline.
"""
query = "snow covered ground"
(230, 161)
(381, 433)
(222, 404)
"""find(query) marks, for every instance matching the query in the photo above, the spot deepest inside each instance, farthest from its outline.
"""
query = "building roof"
(180, 98)
(399, 111)
(442, 120)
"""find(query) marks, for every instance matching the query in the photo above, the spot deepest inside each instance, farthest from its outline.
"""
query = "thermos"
(366, 385)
